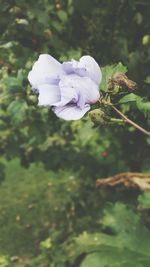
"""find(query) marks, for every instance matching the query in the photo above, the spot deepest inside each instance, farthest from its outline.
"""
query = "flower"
(69, 87)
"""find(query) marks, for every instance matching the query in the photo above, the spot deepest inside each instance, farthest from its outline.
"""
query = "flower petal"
(69, 66)
(45, 69)
(85, 67)
(48, 94)
(76, 89)
(70, 112)
(68, 91)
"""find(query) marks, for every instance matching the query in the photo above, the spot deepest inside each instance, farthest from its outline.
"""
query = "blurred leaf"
(114, 258)
(147, 80)
(108, 72)
(17, 109)
(139, 18)
(143, 106)
(130, 240)
(62, 15)
(8, 45)
(145, 39)
(22, 21)
(4, 261)
(129, 98)
(144, 200)
(2, 172)
(46, 244)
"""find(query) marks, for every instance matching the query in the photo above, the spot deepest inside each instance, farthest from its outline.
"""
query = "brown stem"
(126, 119)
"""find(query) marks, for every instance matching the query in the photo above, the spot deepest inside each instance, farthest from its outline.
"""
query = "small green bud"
(98, 116)
(32, 100)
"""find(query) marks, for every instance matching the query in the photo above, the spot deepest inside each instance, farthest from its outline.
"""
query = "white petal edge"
(85, 67)
(70, 112)
(88, 67)
(46, 67)
(48, 94)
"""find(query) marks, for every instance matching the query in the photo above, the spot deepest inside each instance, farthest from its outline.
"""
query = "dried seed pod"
(119, 79)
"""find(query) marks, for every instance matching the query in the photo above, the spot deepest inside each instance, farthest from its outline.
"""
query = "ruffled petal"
(48, 94)
(85, 67)
(69, 66)
(45, 69)
(68, 91)
(79, 90)
(70, 112)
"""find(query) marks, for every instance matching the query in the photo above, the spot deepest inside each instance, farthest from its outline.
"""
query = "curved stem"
(126, 119)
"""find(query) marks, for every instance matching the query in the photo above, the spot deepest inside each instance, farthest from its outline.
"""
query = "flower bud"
(32, 100)
(98, 116)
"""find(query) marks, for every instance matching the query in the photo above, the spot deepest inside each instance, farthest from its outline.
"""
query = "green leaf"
(128, 245)
(12, 82)
(129, 98)
(62, 15)
(112, 216)
(144, 200)
(145, 39)
(46, 244)
(4, 261)
(22, 21)
(2, 172)
(108, 72)
(8, 45)
(92, 260)
(114, 258)
(147, 80)
(17, 109)
(143, 106)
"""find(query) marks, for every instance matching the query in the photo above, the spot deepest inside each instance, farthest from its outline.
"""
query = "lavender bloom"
(69, 88)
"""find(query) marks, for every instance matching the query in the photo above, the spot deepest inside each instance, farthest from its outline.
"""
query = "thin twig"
(126, 119)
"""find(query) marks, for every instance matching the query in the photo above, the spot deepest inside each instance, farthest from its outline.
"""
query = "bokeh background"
(49, 167)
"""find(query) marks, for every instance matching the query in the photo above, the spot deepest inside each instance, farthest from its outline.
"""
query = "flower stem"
(127, 120)
(117, 120)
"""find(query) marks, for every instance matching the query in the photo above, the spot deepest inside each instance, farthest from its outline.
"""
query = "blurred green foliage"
(53, 215)
(67, 29)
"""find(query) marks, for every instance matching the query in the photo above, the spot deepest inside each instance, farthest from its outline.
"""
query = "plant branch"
(127, 179)
(127, 120)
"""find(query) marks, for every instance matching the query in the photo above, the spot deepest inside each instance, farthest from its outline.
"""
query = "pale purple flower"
(69, 87)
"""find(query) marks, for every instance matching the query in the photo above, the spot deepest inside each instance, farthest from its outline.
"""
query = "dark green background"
(55, 195)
